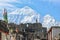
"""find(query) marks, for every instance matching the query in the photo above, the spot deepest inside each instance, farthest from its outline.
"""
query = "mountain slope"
(24, 15)
(28, 15)
(49, 21)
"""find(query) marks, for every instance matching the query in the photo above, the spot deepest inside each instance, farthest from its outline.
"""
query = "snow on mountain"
(57, 23)
(49, 21)
(24, 15)
(28, 15)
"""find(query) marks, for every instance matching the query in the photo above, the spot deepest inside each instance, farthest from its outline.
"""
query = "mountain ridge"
(25, 14)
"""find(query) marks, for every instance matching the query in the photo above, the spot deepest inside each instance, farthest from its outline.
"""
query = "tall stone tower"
(5, 15)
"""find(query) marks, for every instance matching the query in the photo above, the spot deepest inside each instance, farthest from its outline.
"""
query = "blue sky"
(43, 7)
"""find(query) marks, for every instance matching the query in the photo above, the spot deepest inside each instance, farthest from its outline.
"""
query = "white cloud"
(16, 1)
(6, 4)
(8, 0)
